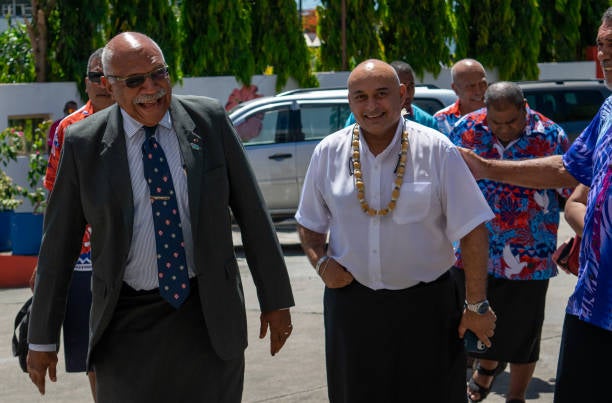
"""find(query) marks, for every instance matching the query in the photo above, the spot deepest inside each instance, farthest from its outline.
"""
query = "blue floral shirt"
(589, 160)
(523, 234)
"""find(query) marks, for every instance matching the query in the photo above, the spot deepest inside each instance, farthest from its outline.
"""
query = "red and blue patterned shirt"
(447, 117)
(84, 261)
(523, 234)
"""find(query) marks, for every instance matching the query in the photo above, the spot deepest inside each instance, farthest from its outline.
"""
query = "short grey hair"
(606, 19)
(504, 92)
(107, 55)
(97, 54)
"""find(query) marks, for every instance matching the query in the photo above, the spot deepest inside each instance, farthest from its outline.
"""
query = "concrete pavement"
(297, 373)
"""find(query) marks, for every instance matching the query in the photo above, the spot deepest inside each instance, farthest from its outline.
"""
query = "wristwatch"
(320, 262)
(479, 307)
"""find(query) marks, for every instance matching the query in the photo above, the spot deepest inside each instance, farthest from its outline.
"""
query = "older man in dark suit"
(155, 176)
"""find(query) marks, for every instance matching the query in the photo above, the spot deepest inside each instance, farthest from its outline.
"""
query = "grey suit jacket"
(93, 186)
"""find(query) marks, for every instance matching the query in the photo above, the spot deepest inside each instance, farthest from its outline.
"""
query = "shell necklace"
(399, 175)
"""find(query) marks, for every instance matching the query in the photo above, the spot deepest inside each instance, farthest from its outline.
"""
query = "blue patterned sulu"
(171, 262)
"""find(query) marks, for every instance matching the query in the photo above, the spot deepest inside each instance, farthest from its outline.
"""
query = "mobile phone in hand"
(473, 343)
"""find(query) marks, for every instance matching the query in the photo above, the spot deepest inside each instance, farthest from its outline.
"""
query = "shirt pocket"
(413, 203)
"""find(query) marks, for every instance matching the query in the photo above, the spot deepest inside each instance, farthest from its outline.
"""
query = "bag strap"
(20, 315)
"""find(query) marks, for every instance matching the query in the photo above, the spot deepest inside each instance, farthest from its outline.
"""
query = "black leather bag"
(20, 334)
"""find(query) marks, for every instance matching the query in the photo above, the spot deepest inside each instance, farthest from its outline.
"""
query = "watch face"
(483, 307)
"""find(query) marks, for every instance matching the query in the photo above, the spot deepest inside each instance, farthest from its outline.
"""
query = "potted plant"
(26, 228)
(11, 141)
(37, 194)
(8, 203)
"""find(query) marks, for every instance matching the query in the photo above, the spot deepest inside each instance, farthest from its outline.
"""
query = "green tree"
(16, 61)
(560, 30)
(217, 39)
(278, 41)
(362, 19)
(591, 12)
(38, 31)
(70, 52)
(507, 39)
(158, 19)
(410, 26)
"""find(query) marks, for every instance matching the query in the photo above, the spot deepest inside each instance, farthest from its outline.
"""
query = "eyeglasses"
(137, 80)
(95, 76)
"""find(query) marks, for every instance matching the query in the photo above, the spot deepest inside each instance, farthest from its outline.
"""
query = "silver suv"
(279, 134)
(570, 103)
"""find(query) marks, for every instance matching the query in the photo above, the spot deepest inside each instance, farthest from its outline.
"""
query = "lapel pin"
(194, 141)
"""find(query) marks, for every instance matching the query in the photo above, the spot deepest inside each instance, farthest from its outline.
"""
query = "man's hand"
(476, 163)
(483, 325)
(38, 362)
(280, 325)
(334, 275)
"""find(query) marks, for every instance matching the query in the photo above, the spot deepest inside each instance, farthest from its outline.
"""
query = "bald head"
(376, 97)
(131, 43)
(470, 84)
(372, 68)
(466, 66)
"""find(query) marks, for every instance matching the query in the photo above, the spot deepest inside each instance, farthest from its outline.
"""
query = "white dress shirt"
(141, 269)
(439, 203)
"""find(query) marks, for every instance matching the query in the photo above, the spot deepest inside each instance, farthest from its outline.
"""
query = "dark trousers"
(583, 371)
(153, 353)
(394, 345)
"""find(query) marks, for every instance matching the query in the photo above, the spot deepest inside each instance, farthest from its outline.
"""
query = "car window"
(318, 121)
(565, 106)
(582, 105)
(265, 127)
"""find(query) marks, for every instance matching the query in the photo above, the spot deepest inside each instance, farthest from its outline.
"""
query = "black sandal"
(483, 392)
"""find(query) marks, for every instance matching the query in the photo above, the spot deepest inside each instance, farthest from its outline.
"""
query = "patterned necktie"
(171, 262)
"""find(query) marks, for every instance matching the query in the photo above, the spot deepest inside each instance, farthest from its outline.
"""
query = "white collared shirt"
(439, 203)
(141, 269)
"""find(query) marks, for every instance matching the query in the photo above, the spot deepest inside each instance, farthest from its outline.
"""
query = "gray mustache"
(149, 98)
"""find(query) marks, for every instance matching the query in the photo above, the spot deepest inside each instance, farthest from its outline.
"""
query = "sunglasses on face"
(137, 80)
(95, 76)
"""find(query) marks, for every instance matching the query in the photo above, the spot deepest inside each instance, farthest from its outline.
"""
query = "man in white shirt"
(393, 196)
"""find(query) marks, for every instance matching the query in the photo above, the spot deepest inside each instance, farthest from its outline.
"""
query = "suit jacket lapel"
(115, 161)
(192, 149)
